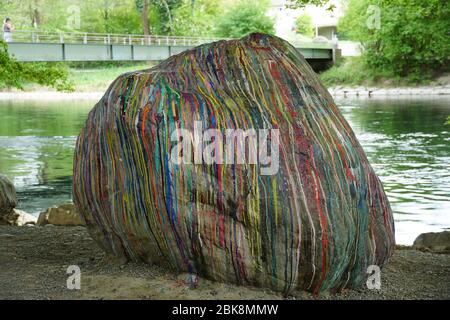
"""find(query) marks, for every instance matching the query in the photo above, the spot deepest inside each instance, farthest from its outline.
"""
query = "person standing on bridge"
(8, 28)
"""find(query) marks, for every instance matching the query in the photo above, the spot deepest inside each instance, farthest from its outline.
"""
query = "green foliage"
(15, 74)
(354, 71)
(350, 71)
(97, 77)
(412, 40)
(448, 120)
(197, 18)
(296, 4)
(244, 18)
(126, 21)
(110, 16)
(172, 17)
(304, 25)
(164, 9)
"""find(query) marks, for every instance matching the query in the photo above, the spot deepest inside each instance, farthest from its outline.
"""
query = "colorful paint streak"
(315, 225)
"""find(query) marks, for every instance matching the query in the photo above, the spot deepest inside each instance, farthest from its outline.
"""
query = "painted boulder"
(231, 161)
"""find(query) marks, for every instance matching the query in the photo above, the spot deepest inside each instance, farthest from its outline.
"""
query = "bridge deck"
(32, 46)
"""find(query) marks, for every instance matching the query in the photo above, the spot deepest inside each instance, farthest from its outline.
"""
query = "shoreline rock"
(49, 95)
(437, 242)
(24, 219)
(62, 215)
(18, 218)
(8, 196)
(399, 92)
(395, 92)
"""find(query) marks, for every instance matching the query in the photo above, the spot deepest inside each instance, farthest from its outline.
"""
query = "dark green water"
(406, 141)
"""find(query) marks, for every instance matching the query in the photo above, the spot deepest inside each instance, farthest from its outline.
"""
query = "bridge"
(76, 46)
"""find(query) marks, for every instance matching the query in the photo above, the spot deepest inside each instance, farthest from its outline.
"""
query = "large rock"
(317, 223)
(24, 218)
(433, 241)
(63, 215)
(8, 197)
(18, 218)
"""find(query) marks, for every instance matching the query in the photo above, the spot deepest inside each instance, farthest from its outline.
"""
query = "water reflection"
(37, 139)
(406, 142)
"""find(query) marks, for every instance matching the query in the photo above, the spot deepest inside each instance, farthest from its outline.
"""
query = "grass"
(349, 72)
(98, 79)
(354, 72)
(89, 77)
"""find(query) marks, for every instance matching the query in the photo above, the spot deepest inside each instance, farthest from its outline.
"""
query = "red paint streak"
(144, 117)
(348, 172)
(277, 110)
(274, 72)
(293, 114)
(323, 222)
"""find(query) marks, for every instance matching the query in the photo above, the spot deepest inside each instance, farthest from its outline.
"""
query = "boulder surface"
(316, 223)
(8, 197)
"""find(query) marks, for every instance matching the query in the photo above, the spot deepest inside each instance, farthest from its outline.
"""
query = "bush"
(353, 71)
(14, 74)
(304, 25)
(244, 18)
(411, 41)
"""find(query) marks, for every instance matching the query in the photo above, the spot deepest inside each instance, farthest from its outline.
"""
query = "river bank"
(91, 83)
(34, 263)
(49, 95)
(363, 92)
(400, 92)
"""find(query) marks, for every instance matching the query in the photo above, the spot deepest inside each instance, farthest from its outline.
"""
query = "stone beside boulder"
(63, 215)
(18, 218)
(8, 197)
(438, 242)
(24, 219)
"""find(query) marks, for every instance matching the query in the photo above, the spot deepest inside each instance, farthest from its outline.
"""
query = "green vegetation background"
(409, 46)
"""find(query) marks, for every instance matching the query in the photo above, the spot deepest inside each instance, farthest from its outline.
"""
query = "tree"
(196, 18)
(304, 25)
(42, 14)
(161, 15)
(35, 13)
(298, 4)
(244, 18)
(142, 7)
(410, 40)
(15, 74)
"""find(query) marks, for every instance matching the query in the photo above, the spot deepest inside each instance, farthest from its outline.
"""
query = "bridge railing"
(31, 36)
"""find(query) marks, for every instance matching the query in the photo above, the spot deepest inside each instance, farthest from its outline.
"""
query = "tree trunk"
(169, 16)
(36, 17)
(144, 17)
(106, 15)
(192, 7)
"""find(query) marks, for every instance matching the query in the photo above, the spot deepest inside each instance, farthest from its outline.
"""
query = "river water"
(406, 141)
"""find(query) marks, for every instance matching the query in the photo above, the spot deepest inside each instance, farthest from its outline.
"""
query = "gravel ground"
(34, 262)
